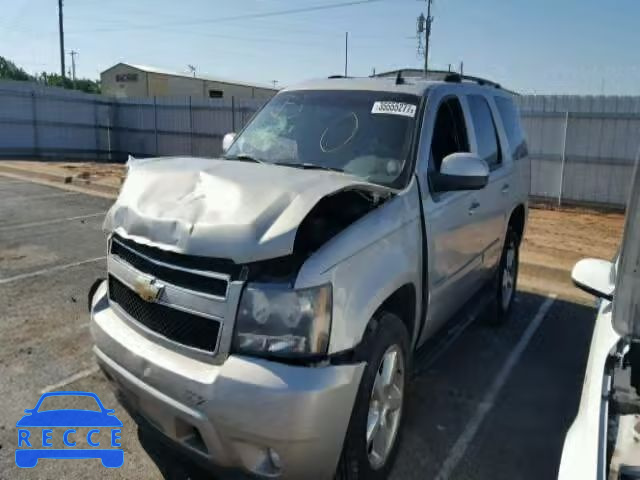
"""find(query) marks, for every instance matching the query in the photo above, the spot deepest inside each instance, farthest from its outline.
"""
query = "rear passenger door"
(495, 199)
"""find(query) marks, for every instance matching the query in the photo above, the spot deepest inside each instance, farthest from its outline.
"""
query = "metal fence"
(39, 121)
(582, 149)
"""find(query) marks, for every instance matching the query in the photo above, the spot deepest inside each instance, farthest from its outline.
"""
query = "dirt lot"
(559, 238)
(556, 239)
(101, 173)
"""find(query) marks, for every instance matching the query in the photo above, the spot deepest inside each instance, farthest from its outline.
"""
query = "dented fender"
(366, 263)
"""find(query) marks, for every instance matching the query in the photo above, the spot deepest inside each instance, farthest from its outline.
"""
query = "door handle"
(505, 188)
(473, 207)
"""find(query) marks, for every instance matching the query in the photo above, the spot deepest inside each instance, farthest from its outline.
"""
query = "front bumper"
(230, 414)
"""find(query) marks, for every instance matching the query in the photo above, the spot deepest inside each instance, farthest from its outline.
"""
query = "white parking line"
(46, 271)
(22, 198)
(460, 447)
(73, 378)
(49, 222)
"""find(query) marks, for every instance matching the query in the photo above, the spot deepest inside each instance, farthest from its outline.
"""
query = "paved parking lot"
(485, 403)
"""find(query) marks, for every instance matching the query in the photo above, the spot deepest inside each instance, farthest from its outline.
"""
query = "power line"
(247, 16)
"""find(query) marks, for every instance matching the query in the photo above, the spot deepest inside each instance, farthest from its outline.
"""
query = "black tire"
(385, 330)
(499, 309)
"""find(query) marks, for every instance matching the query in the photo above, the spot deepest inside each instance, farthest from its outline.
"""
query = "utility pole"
(73, 54)
(424, 26)
(275, 82)
(427, 34)
(346, 53)
(61, 31)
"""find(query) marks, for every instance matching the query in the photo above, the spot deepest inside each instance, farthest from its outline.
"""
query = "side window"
(511, 121)
(449, 132)
(486, 133)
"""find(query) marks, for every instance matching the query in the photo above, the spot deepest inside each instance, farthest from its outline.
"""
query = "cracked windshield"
(320, 240)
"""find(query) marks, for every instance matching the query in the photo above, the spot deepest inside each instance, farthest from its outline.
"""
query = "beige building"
(126, 80)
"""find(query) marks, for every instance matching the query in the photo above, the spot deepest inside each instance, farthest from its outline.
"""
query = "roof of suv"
(410, 84)
(415, 86)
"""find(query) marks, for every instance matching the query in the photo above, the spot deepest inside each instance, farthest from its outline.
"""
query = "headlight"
(281, 321)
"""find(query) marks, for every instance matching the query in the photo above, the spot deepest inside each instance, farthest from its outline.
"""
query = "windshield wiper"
(243, 157)
(309, 166)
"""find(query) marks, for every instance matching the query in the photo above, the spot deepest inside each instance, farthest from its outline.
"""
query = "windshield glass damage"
(368, 134)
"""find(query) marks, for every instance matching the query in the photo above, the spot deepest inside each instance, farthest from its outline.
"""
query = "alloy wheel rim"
(385, 407)
(508, 276)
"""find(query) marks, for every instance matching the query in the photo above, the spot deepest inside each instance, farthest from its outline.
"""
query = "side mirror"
(227, 140)
(460, 171)
(594, 277)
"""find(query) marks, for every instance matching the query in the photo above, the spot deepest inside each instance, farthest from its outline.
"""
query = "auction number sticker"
(395, 108)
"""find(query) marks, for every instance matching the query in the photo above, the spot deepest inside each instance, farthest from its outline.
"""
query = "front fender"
(366, 263)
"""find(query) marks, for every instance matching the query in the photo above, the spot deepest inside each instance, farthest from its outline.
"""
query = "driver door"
(451, 218)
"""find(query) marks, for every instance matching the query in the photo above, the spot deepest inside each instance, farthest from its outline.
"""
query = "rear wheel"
(373, 436)
(506, 279)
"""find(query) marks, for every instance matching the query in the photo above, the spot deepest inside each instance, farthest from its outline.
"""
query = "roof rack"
(456, 77)
(442, 75)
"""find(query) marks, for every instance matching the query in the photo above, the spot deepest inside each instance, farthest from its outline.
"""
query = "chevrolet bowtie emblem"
(147, 288)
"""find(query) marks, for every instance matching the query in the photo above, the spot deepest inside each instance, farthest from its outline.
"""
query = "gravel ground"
(485, 403)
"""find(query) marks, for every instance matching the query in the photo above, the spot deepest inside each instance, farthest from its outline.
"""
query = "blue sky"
(534, 46)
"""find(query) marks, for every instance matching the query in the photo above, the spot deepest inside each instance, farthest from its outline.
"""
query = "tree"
(9, 71)
(82, 84)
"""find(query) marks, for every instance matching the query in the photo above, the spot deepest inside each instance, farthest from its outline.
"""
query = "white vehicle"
(604, 440)
(262, 309)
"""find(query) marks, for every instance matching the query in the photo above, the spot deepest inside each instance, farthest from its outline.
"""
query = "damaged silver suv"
(261, 309)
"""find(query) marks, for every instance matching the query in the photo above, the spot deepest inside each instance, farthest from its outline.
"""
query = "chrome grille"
(197, 300)
(180, 278)
(183, 271)
(178, 326)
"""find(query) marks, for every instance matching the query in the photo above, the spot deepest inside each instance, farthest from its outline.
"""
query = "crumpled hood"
(220, 208)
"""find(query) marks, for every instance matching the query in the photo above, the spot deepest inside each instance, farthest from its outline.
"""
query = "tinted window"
(486, 133)
(449, 132)
(511, 121)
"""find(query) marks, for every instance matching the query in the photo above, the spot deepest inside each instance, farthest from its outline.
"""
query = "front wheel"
(505, 280)
(373, 436)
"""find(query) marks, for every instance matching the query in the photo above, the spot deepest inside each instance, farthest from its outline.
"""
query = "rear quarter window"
(513, 127)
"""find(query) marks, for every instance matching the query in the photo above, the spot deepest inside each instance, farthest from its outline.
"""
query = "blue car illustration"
(70, 418)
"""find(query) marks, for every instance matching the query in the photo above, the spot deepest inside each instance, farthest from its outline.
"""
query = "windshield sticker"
(395, 108)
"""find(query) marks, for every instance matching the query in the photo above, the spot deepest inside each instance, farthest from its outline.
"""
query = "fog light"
(275, 459)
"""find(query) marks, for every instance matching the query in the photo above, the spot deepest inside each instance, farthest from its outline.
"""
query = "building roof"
(162, 71)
